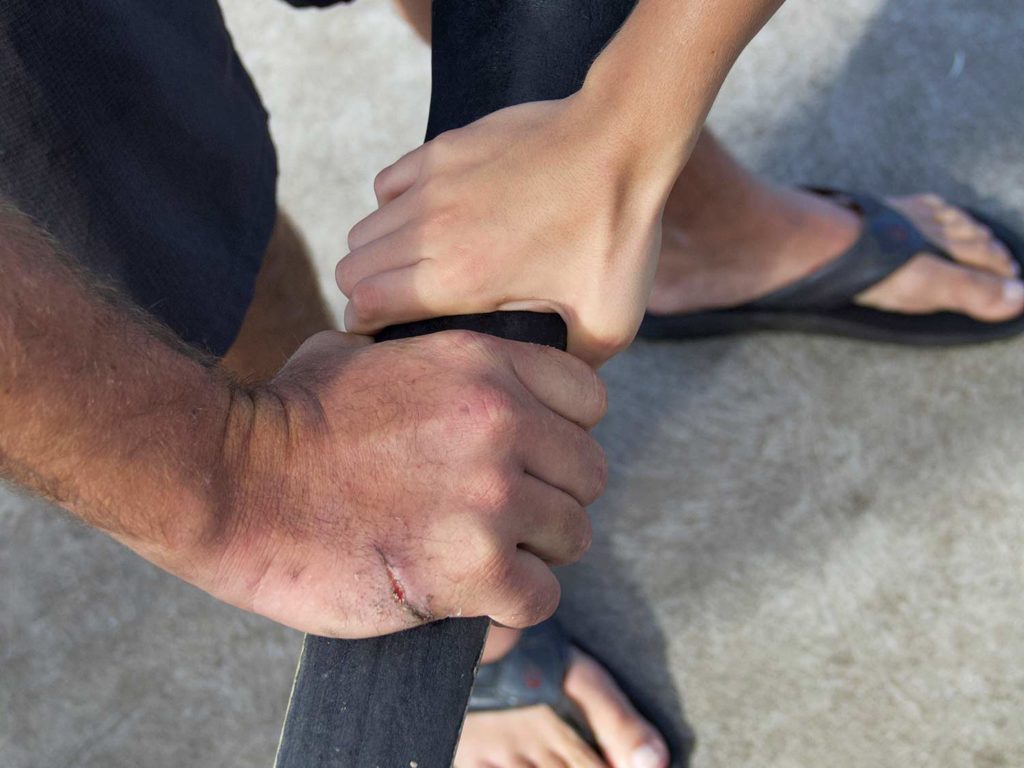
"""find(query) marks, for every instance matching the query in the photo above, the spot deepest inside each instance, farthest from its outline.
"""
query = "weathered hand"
(534, 207)
(384, 486)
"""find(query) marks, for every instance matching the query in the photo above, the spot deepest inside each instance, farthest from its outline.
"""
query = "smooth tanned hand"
(532, 208)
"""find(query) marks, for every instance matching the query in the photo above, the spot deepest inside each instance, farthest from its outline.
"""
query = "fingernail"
(646, 756)
(1013, 291)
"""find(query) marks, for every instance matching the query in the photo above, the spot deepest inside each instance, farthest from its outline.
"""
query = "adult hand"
(382, 486)
(537, 207)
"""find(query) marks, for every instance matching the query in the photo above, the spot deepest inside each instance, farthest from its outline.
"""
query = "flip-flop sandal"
(823, 301)
(533, 672)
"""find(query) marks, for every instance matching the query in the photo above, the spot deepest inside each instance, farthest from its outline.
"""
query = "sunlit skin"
(730, 236)
(719, 236)
(270, 488)
(456, 465)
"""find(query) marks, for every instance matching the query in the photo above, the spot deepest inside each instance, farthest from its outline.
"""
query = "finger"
(563, 455)
(385, 220)
(561, 382)
(392, 251)
(524, 594)
(397, 177)
(550, 523)
(398, 296)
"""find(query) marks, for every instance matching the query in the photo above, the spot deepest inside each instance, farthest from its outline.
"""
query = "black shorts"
(130, 130)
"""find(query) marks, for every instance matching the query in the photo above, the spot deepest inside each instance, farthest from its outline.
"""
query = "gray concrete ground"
(814, 545)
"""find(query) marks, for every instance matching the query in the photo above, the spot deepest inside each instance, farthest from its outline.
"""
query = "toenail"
(1013, 291)
(646, 756)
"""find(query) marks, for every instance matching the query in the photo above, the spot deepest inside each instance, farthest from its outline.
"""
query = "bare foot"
(535, 737)
(752, 238)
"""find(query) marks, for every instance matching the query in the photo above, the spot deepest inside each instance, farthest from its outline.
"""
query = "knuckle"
(605, 341)
(354, 238)
(464, 274)
(539, 603)
(593, 468)
(599, 396)
(380, 181)
(489, 413)
(579, 533)
(497, 568)
(600, 476)
(492, 492)
(344, 275)
(440, 148)
(366, 301)
(432, 191)
(432, 228)
(611, 343)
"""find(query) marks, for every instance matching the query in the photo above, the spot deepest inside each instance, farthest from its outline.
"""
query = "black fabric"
(492, 54)
(131, 131)
(533, 672)
(480, 48)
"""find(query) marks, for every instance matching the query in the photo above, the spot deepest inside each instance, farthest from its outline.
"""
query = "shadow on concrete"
(929, 100)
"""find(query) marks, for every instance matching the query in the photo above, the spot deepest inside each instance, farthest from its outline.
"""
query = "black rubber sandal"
(533, 672)
(822, 302)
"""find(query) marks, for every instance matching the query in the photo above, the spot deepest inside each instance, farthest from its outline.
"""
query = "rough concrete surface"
(813, 545)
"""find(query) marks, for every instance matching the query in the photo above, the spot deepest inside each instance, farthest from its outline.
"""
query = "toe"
(627, 740)
(931, 284)
(574, 751)
(983, 252)
(960, 234)
(529, 737)
(553, 760)
(978, 294)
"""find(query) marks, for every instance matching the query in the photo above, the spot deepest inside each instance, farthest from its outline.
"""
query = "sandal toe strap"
(531, 673)
(888, 240)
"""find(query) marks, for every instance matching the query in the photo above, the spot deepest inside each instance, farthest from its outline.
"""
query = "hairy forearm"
(100, 410)
(657, 79)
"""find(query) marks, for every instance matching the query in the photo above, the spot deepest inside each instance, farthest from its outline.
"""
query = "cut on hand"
(387, 485)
